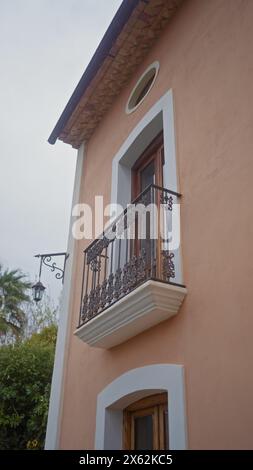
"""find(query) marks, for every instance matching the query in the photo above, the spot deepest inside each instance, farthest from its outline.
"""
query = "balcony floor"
(147, 305)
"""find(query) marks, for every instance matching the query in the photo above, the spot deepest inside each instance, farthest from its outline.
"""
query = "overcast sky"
(45, 45)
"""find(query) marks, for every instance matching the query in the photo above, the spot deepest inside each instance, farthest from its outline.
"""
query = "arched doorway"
(135, 385)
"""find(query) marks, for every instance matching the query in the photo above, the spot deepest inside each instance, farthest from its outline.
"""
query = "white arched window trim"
(134, 385)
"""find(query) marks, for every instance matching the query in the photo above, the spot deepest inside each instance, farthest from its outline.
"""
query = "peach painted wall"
(206, 58)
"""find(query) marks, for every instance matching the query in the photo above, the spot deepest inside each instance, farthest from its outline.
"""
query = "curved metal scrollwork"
(46, 260)
(96, 249)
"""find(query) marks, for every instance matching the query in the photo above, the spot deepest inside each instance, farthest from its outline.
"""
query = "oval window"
(142, 87)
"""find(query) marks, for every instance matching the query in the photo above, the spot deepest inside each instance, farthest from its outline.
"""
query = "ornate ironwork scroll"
(96, 248)
(46, 260)
(167, 200)
(116, 286)
(168, 265)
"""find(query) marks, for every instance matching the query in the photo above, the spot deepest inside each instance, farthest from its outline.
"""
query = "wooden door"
(146, 424)
(149, 170)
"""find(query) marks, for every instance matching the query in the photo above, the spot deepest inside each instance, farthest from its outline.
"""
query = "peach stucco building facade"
(205, 84)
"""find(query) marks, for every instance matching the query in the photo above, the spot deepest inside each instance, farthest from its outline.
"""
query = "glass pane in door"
(143, 433)
(148, 175)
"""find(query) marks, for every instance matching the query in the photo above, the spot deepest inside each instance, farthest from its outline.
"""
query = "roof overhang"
(132, 32)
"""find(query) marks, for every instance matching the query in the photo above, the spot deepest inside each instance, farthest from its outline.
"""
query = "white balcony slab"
(144, 307)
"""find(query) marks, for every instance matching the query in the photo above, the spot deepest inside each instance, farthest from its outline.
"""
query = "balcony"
(129, 273)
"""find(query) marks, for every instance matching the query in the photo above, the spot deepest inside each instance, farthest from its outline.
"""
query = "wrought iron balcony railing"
(131, 251)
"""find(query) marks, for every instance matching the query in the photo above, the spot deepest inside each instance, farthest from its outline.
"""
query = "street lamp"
(38, 290)
(46, 259)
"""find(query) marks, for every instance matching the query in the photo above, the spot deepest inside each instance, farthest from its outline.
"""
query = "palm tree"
(13, 287)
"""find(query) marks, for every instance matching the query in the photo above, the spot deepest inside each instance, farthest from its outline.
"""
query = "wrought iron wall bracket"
(46, 260)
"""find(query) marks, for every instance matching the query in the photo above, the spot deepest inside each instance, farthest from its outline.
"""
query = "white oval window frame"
(138, 87)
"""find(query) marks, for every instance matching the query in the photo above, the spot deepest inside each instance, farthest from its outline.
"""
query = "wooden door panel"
(143, 418)
(153, 154)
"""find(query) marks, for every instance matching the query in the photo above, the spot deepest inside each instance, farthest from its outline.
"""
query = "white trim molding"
(132, 386)
(56, 396)
(144, 307)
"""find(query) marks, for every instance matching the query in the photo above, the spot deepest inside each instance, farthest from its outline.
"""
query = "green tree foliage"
(25, 378)
(12, 314)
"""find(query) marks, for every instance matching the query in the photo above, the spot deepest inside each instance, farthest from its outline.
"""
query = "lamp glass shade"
(38, 290)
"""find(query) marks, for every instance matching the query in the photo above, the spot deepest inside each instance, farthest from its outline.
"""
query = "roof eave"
(120, 19)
